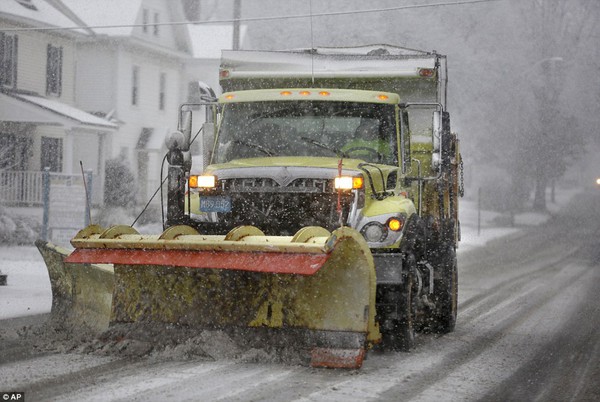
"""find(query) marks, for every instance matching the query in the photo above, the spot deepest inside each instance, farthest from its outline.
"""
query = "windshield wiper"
(336, 151)
(262, 149)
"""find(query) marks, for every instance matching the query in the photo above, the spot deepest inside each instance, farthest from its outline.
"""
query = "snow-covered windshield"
(308, 128)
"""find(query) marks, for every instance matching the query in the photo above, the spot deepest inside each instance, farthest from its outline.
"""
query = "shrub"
(119, 184)
(17, 229)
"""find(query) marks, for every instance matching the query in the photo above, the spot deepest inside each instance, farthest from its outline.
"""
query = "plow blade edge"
(82, 294)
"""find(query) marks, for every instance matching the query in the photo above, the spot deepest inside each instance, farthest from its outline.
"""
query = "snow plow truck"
(322, 208)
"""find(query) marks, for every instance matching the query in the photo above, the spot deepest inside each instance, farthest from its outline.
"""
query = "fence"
(26, 188)
(65, 207)
(21, 188)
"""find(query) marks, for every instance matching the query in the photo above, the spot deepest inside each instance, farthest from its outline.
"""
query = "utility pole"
(237, 14)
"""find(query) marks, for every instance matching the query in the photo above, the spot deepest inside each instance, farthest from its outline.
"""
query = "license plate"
(215, 204)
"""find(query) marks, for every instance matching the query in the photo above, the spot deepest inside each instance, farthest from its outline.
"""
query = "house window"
(7, 152)
(15, 151)
(135, 83)
(8, 60)
(54, 70)
(145, 20)
(156, 21)
(51, 154)
(161, 95)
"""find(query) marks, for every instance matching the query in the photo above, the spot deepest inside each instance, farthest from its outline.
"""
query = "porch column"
(68, 152)
(98, 196)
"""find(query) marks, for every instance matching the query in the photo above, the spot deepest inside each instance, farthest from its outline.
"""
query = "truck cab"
(288, 158)
(327, 138)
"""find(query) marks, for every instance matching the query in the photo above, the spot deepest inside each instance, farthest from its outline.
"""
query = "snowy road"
(528, 329)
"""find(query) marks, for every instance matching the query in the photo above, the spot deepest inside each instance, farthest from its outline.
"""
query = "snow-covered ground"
(28, 287)
(28, 290)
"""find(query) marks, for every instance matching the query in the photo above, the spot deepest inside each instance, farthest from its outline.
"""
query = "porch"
(25, 188)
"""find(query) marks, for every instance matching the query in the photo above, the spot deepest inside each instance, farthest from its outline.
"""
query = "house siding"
(96, 83)
(31, 64)
(147, 112)
(166, 36)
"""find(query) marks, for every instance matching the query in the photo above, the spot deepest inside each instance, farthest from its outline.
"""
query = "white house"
(126, 65)
(40, 125)
(133, 72)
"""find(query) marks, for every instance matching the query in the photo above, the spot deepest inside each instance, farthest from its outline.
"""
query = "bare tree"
(561, 33)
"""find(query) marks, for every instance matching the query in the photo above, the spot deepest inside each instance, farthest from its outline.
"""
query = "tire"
(399, 334)
(446, 293)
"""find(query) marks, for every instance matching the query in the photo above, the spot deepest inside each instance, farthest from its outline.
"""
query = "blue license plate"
(215, 204)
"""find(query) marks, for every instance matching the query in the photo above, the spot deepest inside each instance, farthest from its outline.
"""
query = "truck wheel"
(446, 293)
(401, 335)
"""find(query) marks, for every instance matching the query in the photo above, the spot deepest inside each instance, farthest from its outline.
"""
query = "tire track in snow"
(198, 380)
(39, 375)
(409, 377)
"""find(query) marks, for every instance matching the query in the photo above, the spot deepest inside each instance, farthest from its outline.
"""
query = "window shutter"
(3, 59)
(48, 69)
(59, 71)
(15, 61)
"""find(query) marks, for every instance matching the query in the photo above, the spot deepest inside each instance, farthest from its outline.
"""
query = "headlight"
(205, 181)
(374, 232)
(348, 182)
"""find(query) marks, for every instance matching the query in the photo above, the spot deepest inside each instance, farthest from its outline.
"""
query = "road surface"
(528, 329)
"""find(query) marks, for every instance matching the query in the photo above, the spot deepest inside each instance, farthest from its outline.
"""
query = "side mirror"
(175, 141)
(185, 126)
(436, 133)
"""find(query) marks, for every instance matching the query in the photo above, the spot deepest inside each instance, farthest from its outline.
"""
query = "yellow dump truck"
(322, 207)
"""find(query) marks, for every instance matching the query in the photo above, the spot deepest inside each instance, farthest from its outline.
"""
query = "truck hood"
(284, 170)
(287, 161)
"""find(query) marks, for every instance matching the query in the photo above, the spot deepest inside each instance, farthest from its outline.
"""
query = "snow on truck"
(324, 210)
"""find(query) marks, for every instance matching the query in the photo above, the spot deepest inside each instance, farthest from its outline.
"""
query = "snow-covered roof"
(47, 111)
(107, 12)
(209, 39)
(40, 13)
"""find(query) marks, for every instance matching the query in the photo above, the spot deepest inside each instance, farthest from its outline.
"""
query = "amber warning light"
(395, 224)
(426, 72)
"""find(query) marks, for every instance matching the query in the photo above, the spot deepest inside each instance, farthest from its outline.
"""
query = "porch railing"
(21, 188)
(25, 188)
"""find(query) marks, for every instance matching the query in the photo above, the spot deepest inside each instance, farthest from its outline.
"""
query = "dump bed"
(417, 76)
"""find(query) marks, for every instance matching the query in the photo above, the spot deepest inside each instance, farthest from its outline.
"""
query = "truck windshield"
(364, 131)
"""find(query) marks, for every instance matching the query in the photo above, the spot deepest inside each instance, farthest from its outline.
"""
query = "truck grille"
(280, 210)
(267, 185)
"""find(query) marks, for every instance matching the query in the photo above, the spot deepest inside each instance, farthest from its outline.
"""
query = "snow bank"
(28, 286)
